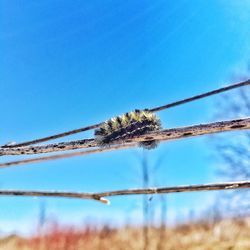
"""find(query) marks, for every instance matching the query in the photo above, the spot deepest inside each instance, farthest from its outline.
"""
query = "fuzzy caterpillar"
(138, 122)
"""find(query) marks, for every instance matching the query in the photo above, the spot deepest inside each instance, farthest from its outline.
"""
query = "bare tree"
(163, 203)
(144, 177)
(234, 152)
(146, 208)
(150, 177)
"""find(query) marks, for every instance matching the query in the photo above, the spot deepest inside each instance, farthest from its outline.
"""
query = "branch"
(164, 135)
(170, 105)
(153, 190)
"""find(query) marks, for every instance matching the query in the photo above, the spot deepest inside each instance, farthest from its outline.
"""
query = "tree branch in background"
(233, 151)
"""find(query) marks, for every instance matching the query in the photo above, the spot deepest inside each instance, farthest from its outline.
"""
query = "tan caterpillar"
(138, 122)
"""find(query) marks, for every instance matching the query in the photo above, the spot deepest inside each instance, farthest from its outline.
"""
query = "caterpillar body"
(138, 122)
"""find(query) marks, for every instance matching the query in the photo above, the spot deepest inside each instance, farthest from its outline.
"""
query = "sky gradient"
(67, 64)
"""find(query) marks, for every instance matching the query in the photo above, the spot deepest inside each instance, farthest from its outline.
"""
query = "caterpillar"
(138, 122)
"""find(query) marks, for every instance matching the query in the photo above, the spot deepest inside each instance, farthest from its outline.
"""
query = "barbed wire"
(164, 135)
(101, 196)
(156, 109)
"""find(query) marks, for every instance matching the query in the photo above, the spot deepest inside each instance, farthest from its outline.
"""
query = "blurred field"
(227, 234)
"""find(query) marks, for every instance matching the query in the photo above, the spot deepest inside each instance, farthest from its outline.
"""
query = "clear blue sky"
(67, 64)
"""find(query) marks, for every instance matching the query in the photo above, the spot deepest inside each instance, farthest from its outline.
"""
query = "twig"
(153, 190)
(164, 135)
(170, 105)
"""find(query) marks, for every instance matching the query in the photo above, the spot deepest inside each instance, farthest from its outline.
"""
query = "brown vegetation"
(226, 234)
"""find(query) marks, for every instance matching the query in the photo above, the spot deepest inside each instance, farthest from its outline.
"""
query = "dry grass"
(227, 234)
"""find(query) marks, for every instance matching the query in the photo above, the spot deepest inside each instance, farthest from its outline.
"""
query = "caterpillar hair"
(138, 122)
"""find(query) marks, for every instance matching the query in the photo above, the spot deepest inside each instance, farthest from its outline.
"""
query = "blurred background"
(67, 64)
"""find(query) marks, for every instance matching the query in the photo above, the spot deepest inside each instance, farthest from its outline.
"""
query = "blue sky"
(67, 64)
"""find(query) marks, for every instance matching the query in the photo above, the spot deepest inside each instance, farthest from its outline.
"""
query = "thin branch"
(170, 105)
(163, 135)
(153, 190)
